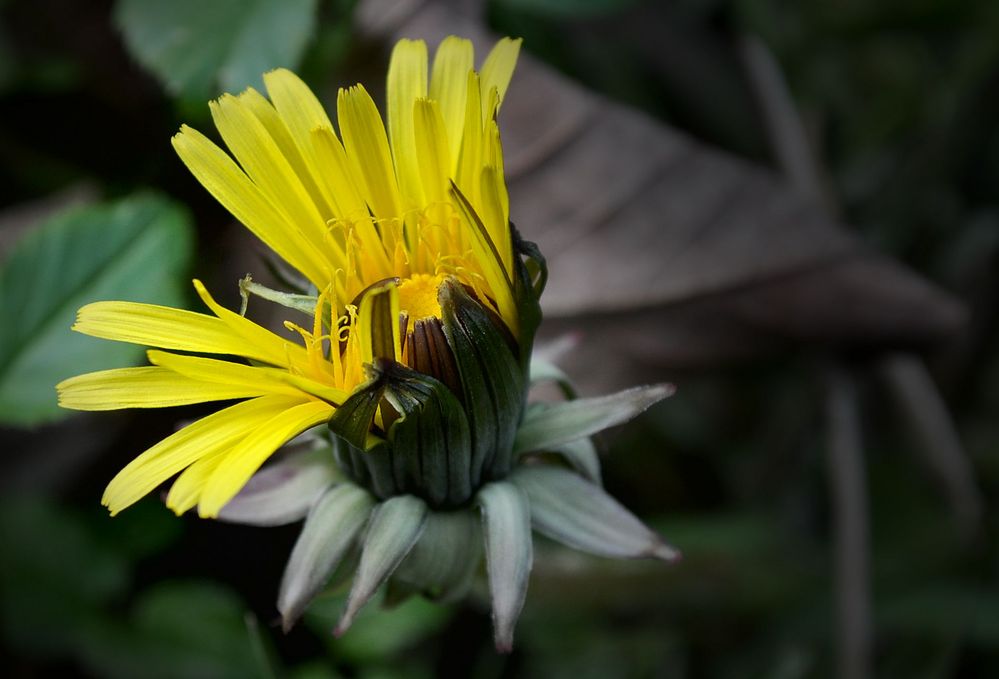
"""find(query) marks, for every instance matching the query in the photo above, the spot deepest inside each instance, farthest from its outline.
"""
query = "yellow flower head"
(427, 199)
(421, 303)
(380, 222)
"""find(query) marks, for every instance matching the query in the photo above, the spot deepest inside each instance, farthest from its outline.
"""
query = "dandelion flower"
(413, 362)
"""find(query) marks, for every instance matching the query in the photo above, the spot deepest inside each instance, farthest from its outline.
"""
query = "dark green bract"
(439, 442)
(431, 466)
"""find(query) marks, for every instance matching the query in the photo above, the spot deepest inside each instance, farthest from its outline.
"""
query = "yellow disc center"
(418, 296)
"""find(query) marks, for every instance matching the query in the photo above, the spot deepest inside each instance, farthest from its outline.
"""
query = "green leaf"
(381, 635)
(178, 629)
(197, 48)
(135, 249)
(314, 669)
(387, 632)
(146, 529)
(506, 520)
(552, 424)
(263, 649)
(56, 576)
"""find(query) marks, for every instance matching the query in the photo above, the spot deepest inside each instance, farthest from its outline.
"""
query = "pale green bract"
(436, 552)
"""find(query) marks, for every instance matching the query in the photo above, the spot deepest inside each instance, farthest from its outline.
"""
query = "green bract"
(437, 442)
(428, 468)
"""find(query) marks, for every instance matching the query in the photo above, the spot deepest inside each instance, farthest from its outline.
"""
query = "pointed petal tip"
(210, 511)
(667, 553)
(503, 633)
(246, 93)
(504, 646)
(664, 390)
(180, 134)
(348, 616)
(279, 72)
(344, 625)
(290, 611)
(290, 614)
(106, 501)
(290, 618)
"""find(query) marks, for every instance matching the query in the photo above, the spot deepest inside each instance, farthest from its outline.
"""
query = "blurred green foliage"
(199, 50)
(136, 250)
(65, 579)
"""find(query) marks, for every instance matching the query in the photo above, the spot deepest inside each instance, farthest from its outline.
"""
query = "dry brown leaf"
(672, 252)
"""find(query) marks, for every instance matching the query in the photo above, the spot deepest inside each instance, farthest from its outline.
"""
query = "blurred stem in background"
(906, 375)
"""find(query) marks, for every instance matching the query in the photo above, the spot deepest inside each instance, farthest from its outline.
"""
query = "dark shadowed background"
(789, 210)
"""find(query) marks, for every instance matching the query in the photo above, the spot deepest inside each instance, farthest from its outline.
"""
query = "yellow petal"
(448, 85)
(493, 157)
(230, 186)
(470, 159)
(264, 344)
(264, 163)
(407, 82)
(224, 372)
(332, 160)
(240, 376)
(219, 430)
(298, 106)
(243, 460)
(301, 158)
(351, 208)
(432, 150)
(368, 154)
(490, 105)
(492, 209)
(146, 387)
(186, 489)
(489, 258)
(159, 326)
(498, 68)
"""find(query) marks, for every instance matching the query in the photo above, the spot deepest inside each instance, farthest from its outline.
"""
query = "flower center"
(418, 296)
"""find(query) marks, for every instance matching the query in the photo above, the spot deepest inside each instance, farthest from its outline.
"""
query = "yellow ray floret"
(373, 202)
(290, 389)
(376, 217)
(220, 431)
(148, 387)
